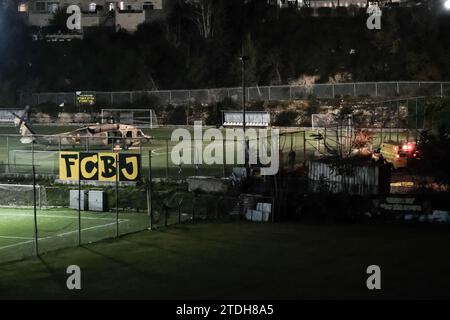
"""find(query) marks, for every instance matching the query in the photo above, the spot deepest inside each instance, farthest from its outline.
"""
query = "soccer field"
(17, 157)
(59, 228)
(241, 260)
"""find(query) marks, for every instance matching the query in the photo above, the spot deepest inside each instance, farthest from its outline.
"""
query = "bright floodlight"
(447, 5)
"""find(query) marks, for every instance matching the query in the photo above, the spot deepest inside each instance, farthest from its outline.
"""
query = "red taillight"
(408, 147)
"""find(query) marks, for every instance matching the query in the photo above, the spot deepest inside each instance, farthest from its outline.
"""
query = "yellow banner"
(99, 166)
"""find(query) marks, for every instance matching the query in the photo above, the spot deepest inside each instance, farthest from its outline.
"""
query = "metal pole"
(36, 246)
(223, 165)
(193, 208)
(382, 125)
(166, 210)
(167, 158)
(304, 145)
(7, 152)
(150, 183)
(32, 149)
(117, 195)
(244, 125)
(79, 202)
(398, 118)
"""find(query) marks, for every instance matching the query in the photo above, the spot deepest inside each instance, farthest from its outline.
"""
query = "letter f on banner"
(74, 20)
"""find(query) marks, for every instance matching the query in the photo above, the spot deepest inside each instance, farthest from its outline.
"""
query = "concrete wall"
(39, 19)
(129, 20)
(88, 20)
(208, 184)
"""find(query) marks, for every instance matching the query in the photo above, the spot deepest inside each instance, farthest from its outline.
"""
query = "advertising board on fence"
(99, 166)
(85, 98)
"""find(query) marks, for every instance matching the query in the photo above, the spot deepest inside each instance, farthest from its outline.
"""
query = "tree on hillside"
(203, 14)
(435, 155)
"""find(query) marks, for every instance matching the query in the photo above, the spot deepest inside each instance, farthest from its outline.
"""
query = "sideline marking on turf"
(16, 244)
(13, 237)
(90, 228)
(48, 215)
(62, 234)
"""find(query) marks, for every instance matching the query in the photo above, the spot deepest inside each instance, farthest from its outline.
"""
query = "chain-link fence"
(266, 93)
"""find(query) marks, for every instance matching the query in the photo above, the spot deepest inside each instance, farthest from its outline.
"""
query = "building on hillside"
(125, 15)
(334, 3)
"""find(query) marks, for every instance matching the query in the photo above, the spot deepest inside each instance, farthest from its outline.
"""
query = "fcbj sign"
(99, 166)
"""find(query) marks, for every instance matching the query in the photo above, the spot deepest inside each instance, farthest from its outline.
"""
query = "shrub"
(286, 118)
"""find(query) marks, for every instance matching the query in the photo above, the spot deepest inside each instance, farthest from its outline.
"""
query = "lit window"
(111, 7)
(92, 7)
(22, 7)
(121, 5)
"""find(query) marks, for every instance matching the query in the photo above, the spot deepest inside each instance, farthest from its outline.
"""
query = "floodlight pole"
(243, 59)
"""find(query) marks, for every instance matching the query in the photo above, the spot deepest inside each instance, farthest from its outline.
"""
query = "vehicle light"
(408, 147)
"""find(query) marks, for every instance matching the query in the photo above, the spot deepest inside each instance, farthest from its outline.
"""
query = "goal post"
(144, 118)
(22, 196)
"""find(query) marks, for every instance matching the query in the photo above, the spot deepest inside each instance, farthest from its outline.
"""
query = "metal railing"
(266, 93)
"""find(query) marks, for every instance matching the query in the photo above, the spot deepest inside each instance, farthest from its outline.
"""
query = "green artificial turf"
(236, 260)
(58, 228)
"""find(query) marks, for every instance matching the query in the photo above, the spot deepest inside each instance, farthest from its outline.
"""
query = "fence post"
(376, 89)
(416, 123)
(166, 210)
(79, 203)
(7, 153)
(117, 194)
(167, 158)
(193, 207)
(224, 158)
(150, 191)
(36, 245)
(304, 145)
